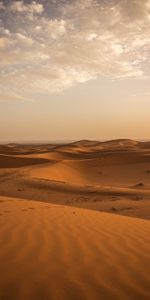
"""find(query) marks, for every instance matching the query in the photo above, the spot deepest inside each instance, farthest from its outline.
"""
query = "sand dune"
(117, 170)
(58, 247)
(7, 161)
(25, 149)
(92, 146)
(57, 252)
(111, 176)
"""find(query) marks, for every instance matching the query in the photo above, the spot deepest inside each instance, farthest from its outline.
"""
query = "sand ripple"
(62, 253)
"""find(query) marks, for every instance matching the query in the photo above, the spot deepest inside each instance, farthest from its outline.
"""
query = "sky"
(74, 69)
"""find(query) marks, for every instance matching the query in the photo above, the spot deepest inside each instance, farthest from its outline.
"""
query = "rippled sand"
(64, 253)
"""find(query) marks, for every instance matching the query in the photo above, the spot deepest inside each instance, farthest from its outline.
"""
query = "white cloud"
(87, 39)
(20, 6)
(91, 36)
(25, 40)
(4, 31)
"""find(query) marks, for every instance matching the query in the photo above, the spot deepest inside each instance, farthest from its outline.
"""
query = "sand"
(58, 252)
(111, 176)
(74, 221)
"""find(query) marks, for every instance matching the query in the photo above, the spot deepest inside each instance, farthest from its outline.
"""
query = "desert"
(75, 220)
(74, 150)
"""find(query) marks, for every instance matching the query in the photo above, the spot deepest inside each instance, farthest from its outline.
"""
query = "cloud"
(3, 42)
(4, 32)
(53, 47)
(6, 97)
(20, 7)
(1, 5)
(24, 40)
(145, 94)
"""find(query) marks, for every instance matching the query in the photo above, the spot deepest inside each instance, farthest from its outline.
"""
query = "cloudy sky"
(72, 69)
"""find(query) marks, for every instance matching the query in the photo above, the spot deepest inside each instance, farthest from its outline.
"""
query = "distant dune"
(58, 252)
(111, 176)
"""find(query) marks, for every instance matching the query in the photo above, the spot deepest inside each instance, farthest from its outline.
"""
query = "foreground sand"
(63, 253)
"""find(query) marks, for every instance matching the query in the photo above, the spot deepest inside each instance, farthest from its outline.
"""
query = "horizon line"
(45, 141)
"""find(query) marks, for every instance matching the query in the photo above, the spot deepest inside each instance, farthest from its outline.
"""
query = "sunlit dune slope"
(57, 252)
(117, 169)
